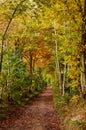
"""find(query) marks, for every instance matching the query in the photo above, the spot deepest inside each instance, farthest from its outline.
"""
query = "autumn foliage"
(42, 42)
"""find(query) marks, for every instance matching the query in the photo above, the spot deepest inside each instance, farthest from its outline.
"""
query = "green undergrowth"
(72, 111)
(19, 85)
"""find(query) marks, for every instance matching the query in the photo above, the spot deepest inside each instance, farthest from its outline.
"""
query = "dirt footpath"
(38, 114)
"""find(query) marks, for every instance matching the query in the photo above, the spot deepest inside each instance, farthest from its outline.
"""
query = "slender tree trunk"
(2, 43)
(64, 77)
(64, 74)
(31, 65)
(83, 56)
(5, 32)
(57, 61)
(8, 63)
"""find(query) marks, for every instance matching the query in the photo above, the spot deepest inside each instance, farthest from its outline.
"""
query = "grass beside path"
(72, 113)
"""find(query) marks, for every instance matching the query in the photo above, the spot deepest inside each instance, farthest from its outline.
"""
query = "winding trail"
(38, 114)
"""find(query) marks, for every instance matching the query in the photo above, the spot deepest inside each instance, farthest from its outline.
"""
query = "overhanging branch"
(5, 32)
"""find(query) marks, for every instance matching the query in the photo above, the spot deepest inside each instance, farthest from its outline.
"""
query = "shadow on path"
(38, 114)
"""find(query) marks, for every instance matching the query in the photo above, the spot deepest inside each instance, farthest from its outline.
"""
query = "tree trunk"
(57, 61)
(31, 65)
(64, 77)
(83, 56)
(5, 32)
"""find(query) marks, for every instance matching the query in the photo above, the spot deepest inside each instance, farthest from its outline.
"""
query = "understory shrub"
(16, 84)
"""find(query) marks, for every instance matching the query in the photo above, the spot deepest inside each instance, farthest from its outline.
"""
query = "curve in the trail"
(38, 114)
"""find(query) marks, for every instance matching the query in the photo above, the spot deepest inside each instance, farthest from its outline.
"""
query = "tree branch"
(5, 32)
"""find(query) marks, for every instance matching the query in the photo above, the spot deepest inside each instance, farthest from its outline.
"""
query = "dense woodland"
(42, 43)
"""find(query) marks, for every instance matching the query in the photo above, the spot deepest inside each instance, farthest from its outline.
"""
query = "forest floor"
(38, 114)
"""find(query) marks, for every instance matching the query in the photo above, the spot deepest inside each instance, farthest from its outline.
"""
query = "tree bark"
(57, 61)
(83, 56)
(31, 65)
(64, 77)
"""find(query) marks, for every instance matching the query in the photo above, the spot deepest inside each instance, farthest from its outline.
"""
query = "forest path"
(38, 114)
